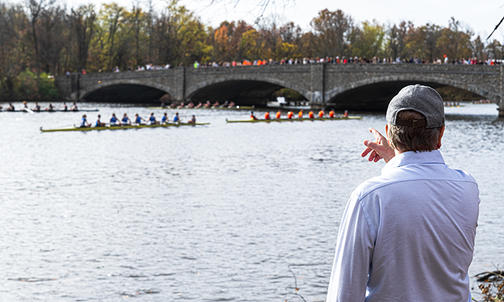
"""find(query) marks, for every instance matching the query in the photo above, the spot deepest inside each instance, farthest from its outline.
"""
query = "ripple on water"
(221, 213)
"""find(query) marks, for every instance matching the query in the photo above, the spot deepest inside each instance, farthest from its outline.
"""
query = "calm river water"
(225, 212)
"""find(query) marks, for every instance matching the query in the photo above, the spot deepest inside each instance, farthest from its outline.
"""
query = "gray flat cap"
(422, 99)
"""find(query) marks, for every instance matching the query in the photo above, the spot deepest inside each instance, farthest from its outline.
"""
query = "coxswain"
(37, 107)
(278, 115)
(176, 118)
(125, 120)
(290, 114)
(99, 123)
(84, 122)
(10, 107)
(321, 114)
(114, 121)
(267, 116)
(74, 107)
(310, 114)
(164, 119)
(252, 116)
(65, 107)
(345, 114)
(300, 114)
(138, 119)
(331, 114)
(152, 119)
(192, 120)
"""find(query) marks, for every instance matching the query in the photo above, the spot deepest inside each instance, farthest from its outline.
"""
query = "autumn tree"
(454, 42)
(332, 29)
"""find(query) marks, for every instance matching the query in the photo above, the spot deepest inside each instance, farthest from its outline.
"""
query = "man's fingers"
(365, 152)
(376, 133)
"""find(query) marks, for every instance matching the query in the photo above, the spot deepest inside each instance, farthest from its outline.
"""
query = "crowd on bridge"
(349, 60)
(316, 60)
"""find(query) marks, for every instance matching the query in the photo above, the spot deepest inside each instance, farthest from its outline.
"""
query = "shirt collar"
(412, 157)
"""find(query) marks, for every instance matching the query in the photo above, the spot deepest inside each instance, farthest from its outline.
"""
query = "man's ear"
(441, 132)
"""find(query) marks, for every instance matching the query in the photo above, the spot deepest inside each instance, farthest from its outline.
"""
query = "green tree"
(368, 42)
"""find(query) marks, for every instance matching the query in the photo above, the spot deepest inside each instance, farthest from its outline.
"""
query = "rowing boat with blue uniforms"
(125, 127)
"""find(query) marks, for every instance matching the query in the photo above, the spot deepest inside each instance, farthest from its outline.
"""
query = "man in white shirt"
(408, 234)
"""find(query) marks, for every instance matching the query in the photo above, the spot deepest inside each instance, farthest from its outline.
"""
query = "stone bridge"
(351, 86)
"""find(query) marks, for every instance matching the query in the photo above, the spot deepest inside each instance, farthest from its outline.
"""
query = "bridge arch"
(125, 90)
(249, 90)
(376, 92)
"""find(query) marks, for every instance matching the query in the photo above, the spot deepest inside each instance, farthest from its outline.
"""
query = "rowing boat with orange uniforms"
(305, 119)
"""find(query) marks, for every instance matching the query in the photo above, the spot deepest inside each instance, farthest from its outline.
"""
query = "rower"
(125, 120)
(331, 114)
(176, 118)
(164, 119)
(345, 114)
(74, 107)
(37, 107)
(300, 114)
(290, 114)
(25, 105)
(65, 107)
(321, 114)
(152, 119)
(10, 107)
(114, 121)
(310, 114)
(138, 119)
(84, 122)
(278, 115)
(192, 120)
(99, 123)
(252, 116)
(50, 108)
(267, 116)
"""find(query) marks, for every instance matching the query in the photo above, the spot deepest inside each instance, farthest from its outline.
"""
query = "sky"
(480, 16)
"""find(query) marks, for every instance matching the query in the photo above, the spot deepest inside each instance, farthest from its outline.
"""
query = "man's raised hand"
(378, 149)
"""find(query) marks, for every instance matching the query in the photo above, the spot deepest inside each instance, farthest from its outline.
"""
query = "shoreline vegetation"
(491, 285)
(41, 39)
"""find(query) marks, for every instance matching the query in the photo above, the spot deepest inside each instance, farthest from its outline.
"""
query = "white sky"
(479, 15)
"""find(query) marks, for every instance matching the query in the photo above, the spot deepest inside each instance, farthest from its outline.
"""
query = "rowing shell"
(83, 129)
(25, 110)
(296, 119)
(209, 108)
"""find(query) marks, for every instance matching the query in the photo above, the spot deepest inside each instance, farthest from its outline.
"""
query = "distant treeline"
(43, 38)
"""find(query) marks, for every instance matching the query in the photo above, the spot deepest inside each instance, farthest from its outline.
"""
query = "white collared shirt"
(408, 234)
